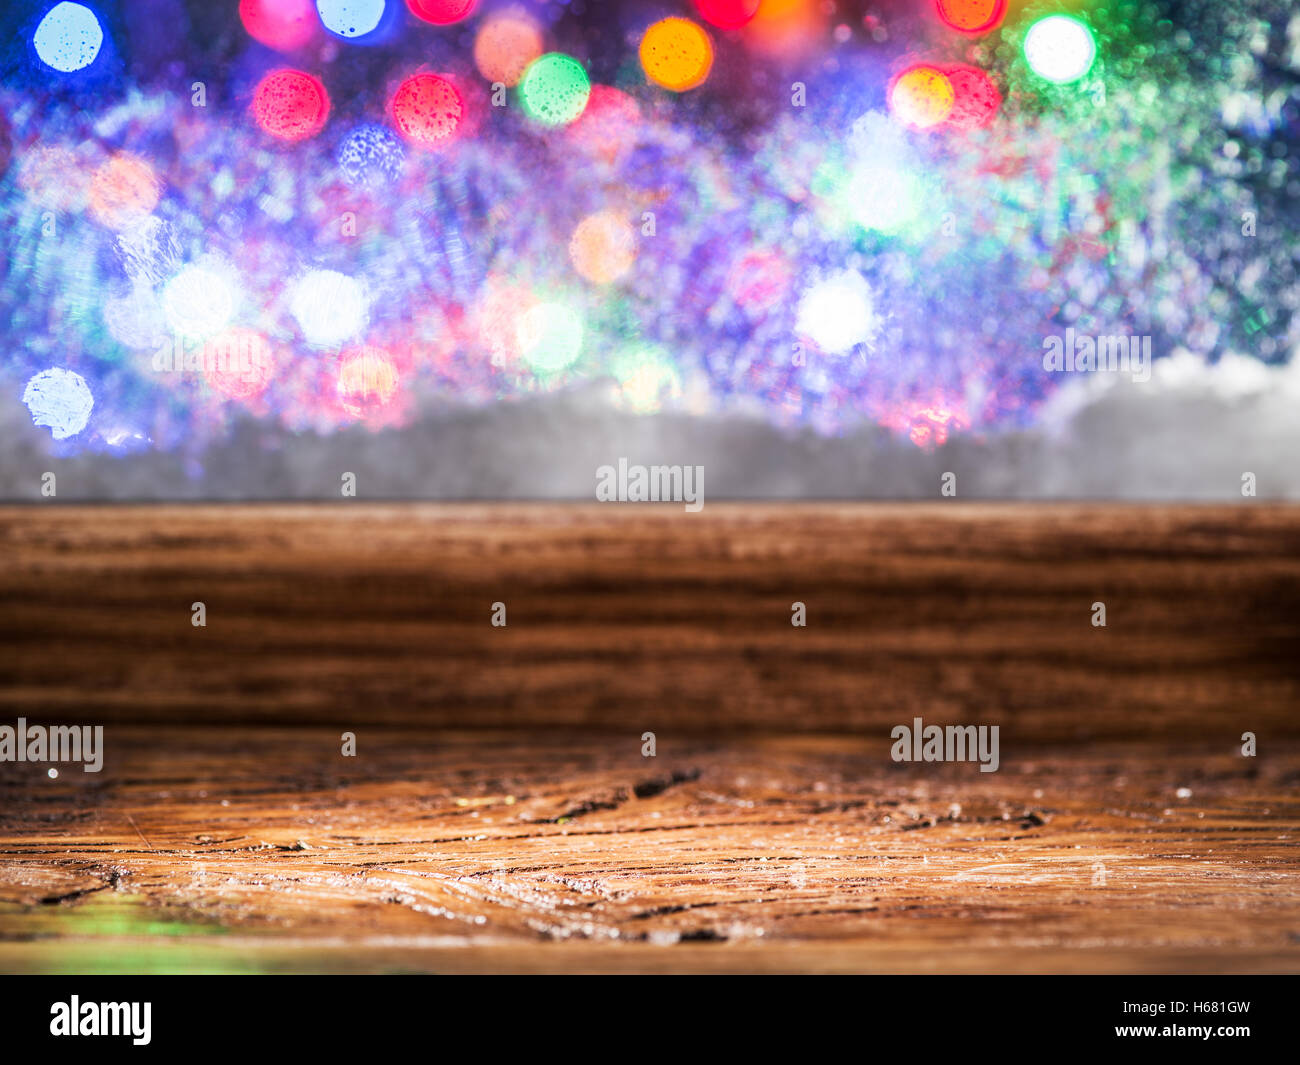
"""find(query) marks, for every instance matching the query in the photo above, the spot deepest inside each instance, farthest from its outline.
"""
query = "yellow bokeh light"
(677, 54)
(367, 382)
(922, 97)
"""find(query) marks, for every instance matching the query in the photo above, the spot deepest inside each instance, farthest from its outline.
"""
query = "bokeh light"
(972, 16)
(60, 400)
(838, 313)
(200, 300)
(504, 47)
(291, 105)
(550, 338)
(442, 12)
(1060, 49)
(976, 100)
(368, 381)
(351, 18)
(238, 363)
(52, 176)
(370, 156)
(68, 38)
(727, 14)
(648, 380)
(921, 96)
(428, 110)
(123, 191)
(330, 307)
(676, 54)
(759, 280)
(285, 25)
(555, 89)
(609, 125)
(603, 247)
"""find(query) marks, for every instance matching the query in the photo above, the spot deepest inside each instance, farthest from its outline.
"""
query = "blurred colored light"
(976, 100)
(199, 301)
(609, 125)
(921, 97)
(284, 25)
(427, 110)
(123, 191)
(727, 14)
(555, 89)
(677, 54)
(52, 176)
(884, 194)
(972, 16)
(759, 280)
(370, 155)
(441, 12)
(329, 307)
(647, 380)
(500, 311)
(603, 247)
(550, 338)
(60, 400)
(238, 363)
(367, 382)
(68, 38)
(505, 46)
(838, 313)
(291, 105)
(1060, 49)
(350, 18)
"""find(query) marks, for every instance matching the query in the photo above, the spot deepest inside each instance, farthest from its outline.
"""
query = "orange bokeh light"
(367, 382)
(123, 191)
(603, 247)
(972, 16)
(677, 54)
(505, 46)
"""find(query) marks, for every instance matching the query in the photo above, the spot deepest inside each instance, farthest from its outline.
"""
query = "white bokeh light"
(1060, 49)
(330, 307)
(838, 313)
(200, 300)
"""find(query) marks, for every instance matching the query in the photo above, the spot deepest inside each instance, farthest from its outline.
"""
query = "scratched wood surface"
(652, 618)
(499, 815)
(258, 850)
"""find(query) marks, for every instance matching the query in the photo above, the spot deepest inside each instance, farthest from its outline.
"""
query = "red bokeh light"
(727, 14)
(972, 16)
(284, 25)
(291, 105)
(441, 12)
(976, 100)
(428, 110)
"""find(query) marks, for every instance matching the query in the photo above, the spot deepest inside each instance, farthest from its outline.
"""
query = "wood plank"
(644, 617)
(264, 850)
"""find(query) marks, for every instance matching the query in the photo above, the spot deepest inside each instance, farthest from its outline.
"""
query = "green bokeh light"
(555, 89)
(550, 337)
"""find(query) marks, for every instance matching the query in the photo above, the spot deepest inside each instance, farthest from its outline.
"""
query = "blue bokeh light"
(69, 37)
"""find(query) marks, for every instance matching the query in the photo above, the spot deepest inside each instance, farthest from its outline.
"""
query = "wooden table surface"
(499, 815)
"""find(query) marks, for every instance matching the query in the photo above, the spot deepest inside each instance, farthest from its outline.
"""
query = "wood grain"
(499, 815)
(640, 617)
(257, 850)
